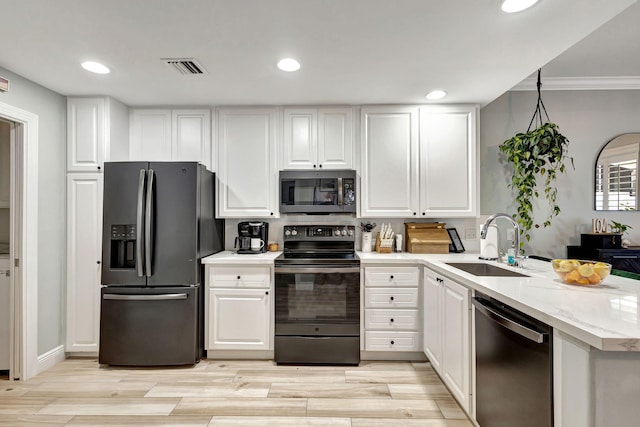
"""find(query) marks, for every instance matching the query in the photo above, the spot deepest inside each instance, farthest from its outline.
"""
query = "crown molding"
(581, 83)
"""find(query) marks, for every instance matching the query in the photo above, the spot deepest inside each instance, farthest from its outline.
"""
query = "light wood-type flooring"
(80, 392)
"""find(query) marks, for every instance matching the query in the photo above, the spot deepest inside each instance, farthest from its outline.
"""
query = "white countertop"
(604, 316)
(231, 257)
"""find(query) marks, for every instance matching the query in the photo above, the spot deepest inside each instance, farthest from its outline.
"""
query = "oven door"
(317, 301)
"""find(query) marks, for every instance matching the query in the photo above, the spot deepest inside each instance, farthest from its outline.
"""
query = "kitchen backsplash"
(276, 226)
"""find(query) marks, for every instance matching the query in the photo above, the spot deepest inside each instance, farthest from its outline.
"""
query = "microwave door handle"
(340, 192)
(147, 223)
(140, 224)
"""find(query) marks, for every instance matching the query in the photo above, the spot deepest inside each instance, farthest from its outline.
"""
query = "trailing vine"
(534, 154)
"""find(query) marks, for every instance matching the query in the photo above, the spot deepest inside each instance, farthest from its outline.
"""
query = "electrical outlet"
(470, 234)
(511, 234)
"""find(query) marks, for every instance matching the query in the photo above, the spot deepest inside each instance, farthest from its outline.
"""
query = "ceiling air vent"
(185, 65)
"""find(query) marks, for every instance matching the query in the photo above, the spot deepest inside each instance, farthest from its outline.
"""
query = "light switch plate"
(470, 234)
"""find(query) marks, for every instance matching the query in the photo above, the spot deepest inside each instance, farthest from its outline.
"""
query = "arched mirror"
(616, 183)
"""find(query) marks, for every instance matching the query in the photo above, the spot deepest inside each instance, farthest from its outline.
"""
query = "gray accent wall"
(51, 109)
(588, 119)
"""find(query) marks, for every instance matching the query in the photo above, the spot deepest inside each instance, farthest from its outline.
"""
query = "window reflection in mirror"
(616, 184)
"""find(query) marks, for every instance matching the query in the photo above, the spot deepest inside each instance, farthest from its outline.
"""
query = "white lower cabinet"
(447, 335)
(239, 308)
(392, 320)
(84, 252)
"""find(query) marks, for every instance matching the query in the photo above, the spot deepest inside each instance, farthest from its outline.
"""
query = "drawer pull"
(266, 293)
(391, 277)
(391, 298)
(392, 342)
(238, 277)
(391, 320)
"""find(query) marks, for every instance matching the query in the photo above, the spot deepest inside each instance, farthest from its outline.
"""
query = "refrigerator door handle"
(147, 223)
(140, 224)
(159, 297)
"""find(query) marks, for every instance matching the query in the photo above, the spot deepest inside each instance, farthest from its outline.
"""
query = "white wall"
(588, 119)
(51, 110)
(5, 136)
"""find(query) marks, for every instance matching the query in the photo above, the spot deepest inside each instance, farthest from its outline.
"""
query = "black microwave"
(318, 192)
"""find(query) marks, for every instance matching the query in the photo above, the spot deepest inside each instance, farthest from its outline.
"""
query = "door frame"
(24, 242)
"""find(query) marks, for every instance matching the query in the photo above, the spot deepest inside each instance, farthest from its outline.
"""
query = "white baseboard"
(50, 359)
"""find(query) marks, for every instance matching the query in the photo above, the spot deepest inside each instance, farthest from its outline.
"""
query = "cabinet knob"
(266, 293)
(97, 262)
(391, 298)
(391, 277)
(271, 214)
(424, 213)
(238, 277)
(320, 166)
(391, 320)
(98, 167)
(314, 166)
(414, 213)
(392, 342)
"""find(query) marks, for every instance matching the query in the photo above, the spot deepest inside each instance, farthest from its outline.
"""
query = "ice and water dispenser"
(123, 246)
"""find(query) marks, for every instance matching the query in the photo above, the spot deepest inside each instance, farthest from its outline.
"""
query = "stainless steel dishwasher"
(514, 367)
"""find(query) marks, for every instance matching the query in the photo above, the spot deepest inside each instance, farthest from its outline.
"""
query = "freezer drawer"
(150, 326)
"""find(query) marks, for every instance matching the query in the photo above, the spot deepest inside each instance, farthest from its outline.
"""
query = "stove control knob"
(344, 232)
(337, 233)
(287, 232)
(294, 232)
(350, 233)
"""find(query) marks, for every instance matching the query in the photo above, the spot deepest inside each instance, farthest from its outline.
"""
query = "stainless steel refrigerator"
(158, 224)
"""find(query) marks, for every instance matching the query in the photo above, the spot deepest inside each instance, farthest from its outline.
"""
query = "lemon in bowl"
(579, 272)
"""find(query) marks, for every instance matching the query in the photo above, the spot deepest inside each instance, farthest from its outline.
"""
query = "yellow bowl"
(579, 272)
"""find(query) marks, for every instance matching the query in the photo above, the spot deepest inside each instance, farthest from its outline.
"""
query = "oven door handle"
(321, 270)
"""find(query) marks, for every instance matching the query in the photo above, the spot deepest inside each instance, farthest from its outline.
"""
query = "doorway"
(6, 130)
(22, 258)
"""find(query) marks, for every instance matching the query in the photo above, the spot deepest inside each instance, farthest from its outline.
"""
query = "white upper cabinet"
(191, 136)
(150, 135)
(419, 162)
(247, 166)
(97, 131)
(318, 138)
(389, 164)
(164, 135)
(448, 161)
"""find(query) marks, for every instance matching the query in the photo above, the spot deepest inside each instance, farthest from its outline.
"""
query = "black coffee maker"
(253, 237)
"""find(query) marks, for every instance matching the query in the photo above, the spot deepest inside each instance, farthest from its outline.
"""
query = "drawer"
(391, 341)
(391, 319)
(391, 276)
(391, 297)
(240, 277)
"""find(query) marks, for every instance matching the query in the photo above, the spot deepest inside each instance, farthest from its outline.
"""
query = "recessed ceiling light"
(436, 94)
(95, 67)
(288, 64)
(512, 6)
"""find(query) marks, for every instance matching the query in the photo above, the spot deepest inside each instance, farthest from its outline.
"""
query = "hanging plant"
(535, 154)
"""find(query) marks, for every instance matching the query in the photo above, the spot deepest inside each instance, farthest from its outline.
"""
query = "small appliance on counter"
(253, 237)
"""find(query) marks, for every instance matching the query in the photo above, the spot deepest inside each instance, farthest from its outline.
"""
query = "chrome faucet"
(516, 232)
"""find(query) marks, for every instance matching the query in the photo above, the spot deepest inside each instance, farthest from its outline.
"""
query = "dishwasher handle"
(502, 320)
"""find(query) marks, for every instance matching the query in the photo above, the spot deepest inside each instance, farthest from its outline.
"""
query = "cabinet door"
(456, 343)
(191, 136)
(448, 161)
(389, 156)
(85, 134)
(84, 243)
(247, 173)
(150, 135)
(432, 319)
(5, 164)
(300, 142)
(239, 319)
(335, 138)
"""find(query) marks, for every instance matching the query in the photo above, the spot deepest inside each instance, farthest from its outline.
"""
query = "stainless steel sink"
(483, 269)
